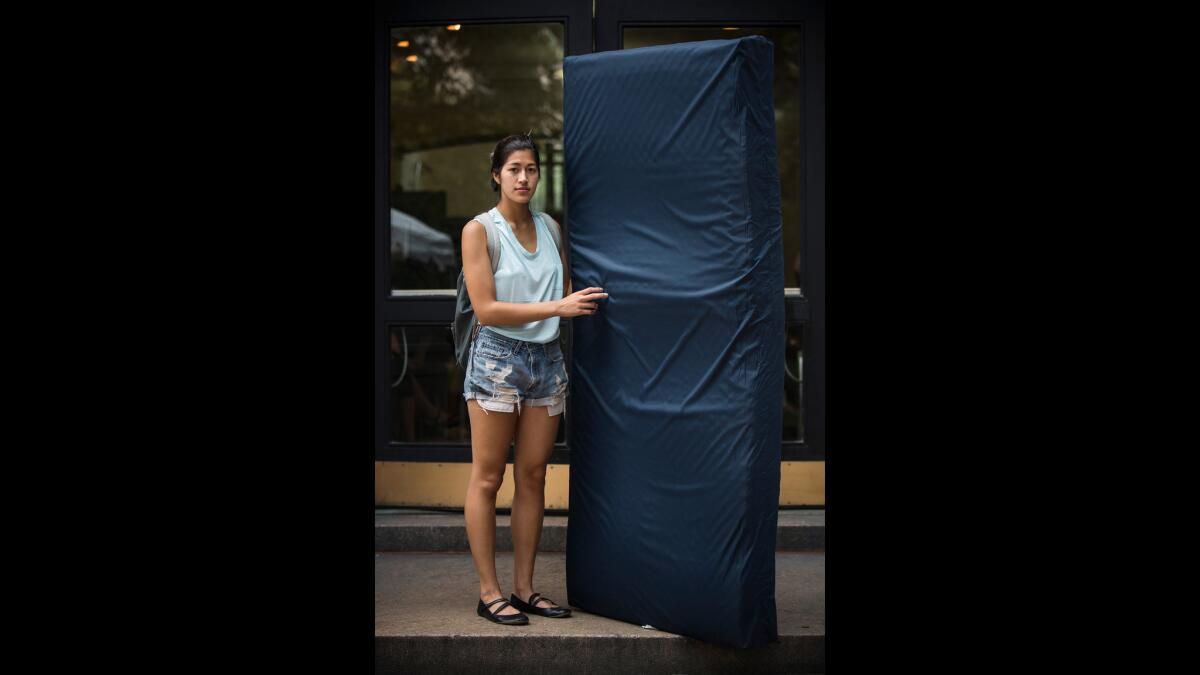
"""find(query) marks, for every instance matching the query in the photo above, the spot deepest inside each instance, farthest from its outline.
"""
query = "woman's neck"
(518, 215)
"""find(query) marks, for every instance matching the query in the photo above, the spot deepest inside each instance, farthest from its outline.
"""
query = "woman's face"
(518, 177)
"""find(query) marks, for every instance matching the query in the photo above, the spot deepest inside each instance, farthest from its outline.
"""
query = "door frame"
(584, 34)
(435, 307)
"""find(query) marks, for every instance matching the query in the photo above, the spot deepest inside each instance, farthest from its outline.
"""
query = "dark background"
(931, 328)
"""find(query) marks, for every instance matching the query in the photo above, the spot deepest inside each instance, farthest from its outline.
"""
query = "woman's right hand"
(580, 303)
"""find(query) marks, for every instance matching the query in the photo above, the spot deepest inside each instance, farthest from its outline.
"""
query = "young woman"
(516, 383)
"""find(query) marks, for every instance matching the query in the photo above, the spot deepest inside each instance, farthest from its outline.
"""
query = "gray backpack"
(465, 324)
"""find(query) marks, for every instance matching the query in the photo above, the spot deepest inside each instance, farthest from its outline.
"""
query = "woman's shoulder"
(477, 221)
(548, 221)
(475, 231)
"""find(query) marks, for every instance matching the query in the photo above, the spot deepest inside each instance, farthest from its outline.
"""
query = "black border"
(939, 527)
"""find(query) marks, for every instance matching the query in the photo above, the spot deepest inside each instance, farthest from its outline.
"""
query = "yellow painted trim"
(802, 484)
(378, 480)
(444, 484)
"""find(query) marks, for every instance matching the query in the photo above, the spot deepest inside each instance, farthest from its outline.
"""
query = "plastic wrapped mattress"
(677, 381)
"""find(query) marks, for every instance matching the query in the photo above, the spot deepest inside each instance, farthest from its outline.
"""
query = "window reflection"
(425, 383)
(454, 93)
(793, 385)
(787, 87)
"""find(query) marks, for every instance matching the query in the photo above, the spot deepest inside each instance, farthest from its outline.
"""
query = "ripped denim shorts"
(503, 372)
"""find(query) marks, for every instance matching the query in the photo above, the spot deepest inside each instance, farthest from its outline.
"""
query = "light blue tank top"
(528, 277)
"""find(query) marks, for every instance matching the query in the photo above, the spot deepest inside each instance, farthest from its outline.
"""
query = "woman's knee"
(487, 482)
(531, 477)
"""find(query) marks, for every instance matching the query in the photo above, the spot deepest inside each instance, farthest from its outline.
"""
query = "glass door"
(452, 79)
(797, 31)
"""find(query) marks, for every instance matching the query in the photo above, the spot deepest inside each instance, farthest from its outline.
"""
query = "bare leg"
(535, 441)
(491, 433)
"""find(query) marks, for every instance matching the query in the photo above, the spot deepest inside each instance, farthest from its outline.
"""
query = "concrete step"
(401, 529)
(425, 622)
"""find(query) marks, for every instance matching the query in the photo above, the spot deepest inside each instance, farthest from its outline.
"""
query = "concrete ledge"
(583, 655)
(399, 530)
(425, 621)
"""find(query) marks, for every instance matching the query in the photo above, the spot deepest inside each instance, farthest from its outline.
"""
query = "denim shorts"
(503, 372)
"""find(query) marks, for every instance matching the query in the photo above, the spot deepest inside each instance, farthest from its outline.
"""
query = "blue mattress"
(677, 382)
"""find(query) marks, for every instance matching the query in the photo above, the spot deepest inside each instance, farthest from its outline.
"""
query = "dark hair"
(506, 147)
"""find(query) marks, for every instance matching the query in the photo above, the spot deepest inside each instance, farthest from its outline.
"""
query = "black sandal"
(531, 606)
(485, 611)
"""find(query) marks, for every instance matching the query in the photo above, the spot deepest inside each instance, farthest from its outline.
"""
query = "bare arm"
(481, 287)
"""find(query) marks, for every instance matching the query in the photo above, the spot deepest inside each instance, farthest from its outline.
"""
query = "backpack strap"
(493, 239)
(552, 225)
